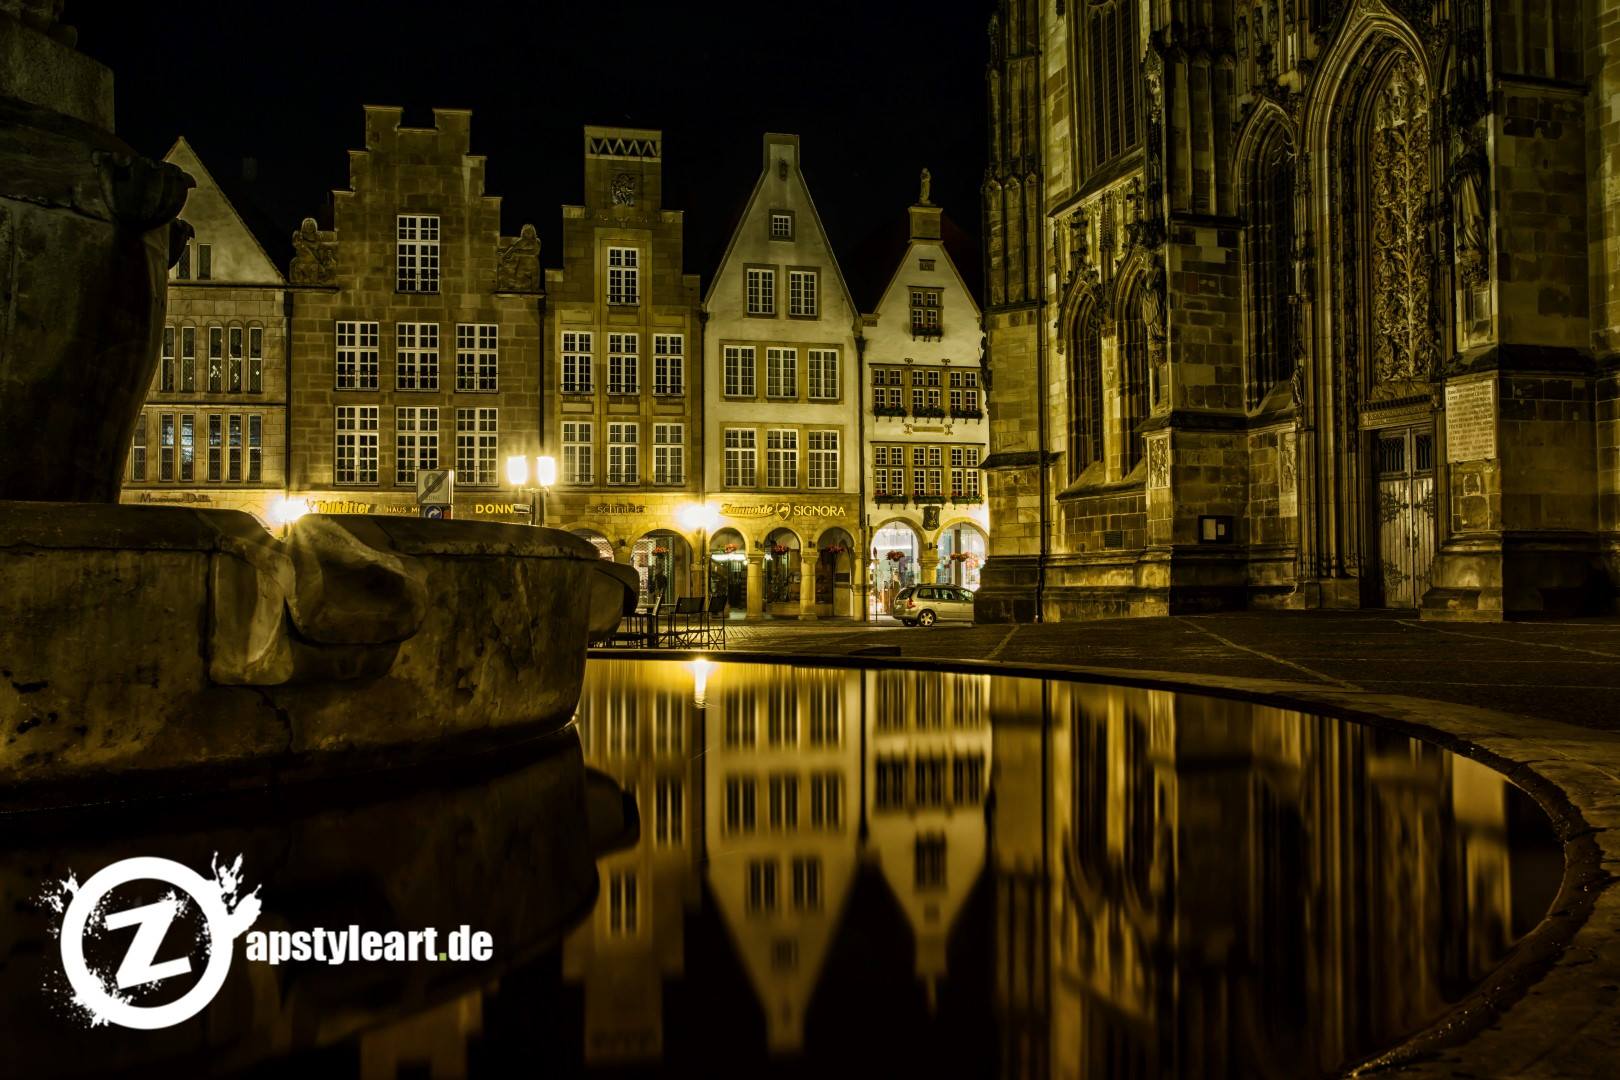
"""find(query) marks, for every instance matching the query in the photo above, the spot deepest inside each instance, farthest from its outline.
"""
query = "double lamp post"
(545, 475)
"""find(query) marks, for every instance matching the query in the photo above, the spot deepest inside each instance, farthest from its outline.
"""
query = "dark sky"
(877, 89)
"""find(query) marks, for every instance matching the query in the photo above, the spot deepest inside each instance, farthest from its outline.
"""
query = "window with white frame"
(137, 451)
(927, 470)
(624, 275)
(216, 446)
(624, 363)
(781, 225)
(417, 253)
(669, 365)
(357, 352)
(669, 812)
(478, 357)
(166, 447)
(166, 362)
(761, 290)
(624, 901)
(416, 356)
(255, 359)
(964, 391)
(233, 359)
(739, 371)
(763, 893)
(925, 305)
(216, 359)
(965, 472)
(781, 458)
(669, 453)
(624, 457)
(782, 373)
(416, 441)
(823, 374)
(806, 883)
(576, 362)
(255, 437)
(888, 471)
(578, 464)
(803, 303)
(188, 446)
(823, 453)
(477, 444)
(356, 460)
(233, 449)
(741, 457)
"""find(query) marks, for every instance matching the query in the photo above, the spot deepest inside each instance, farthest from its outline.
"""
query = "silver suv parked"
(924, 605)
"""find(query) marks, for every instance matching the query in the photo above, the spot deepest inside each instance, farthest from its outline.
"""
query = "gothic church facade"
(1302, 303)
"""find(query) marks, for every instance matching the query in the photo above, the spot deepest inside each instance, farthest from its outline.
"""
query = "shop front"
(793, 558)
(918, 548)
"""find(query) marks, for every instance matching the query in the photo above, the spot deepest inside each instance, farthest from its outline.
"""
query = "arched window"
(1113, 72)
(1086, 392)
(1270, 240)
(1133, 369)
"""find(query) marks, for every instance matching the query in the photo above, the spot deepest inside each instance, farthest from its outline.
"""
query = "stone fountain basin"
(173, 648)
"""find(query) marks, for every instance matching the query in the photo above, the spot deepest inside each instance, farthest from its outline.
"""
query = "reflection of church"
(1022, 878)
(1298, 304)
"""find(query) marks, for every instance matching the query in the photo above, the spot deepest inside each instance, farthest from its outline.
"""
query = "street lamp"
(517, 475)
(703, 518)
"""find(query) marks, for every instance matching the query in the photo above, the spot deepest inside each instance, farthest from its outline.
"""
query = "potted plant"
(779, 549)
(660, 550)
(896, 556)
(730, 549)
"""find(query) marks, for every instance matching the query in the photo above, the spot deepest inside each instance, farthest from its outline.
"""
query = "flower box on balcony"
(969, 500)
(968, 414)
(929, 412)
(923, 500)
(888, 410)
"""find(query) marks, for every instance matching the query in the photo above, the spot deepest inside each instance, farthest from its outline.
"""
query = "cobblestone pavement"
(1567, 671)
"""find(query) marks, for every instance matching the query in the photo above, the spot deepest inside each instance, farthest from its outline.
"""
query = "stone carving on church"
(519, 267)
(624, 190)
(314, 259)
(1158, 463)
(1152, 298)
(1404, 347)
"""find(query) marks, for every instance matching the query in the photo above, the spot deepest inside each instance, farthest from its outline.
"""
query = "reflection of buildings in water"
(926, 774)
(640, 725)
(1246, 888)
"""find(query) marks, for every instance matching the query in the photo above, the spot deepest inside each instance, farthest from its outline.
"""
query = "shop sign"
(617, 508)
(501, 508)
(349, 506)
(781, 510)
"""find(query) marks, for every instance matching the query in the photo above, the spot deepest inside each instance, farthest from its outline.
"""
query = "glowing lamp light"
(700, 679)
(694, 516)
(517, 470)
(287, 511)
(545, 471)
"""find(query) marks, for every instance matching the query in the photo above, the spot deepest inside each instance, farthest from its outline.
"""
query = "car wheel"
(926, 618)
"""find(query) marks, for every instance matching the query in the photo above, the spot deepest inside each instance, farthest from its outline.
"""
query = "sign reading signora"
(783, 510)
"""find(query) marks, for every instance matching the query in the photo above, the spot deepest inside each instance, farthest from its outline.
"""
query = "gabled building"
(623, 390)
(925, 429)
(782, 421)
(214, 428)
(415, 331)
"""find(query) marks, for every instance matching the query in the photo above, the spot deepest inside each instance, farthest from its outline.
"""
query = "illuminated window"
(624, 275)
(417, 253)
(356, 460)
(477, 357)
(477, 442)
(576, 362)
(416, 356)
(416, 441)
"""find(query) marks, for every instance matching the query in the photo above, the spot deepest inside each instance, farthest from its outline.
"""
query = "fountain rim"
(1588, 830)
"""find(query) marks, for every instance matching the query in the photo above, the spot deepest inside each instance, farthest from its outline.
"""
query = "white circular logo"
(138, 967)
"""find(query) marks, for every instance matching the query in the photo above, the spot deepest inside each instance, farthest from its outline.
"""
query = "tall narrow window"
(205, 262)
(623, 903)
(255, 359)
(233, 360)
(823, 374)
(624, 363)
(137, 451)
(1270, 249)
(418, 253)
(188, 359)
(182, 269)
(1113, 91)
(823, 454)
(357, 356)
(930, 862)
(784, 801)
(188, 447)
(356, 459)
(166, 362)
(416, 441)
(1134, 374)
(1086, 397)
(233, 450)
(739, 371)
(669, 812)
(577, 460)
(762, 886)
(255, 465)
(576, 362)
(807, 883)
(477, 357)
(760, 290)
(216, 359)
(925, 312)
(740, 806)
(782, 458)
(669, 365)
(965, 393)
(477, 442)
(669, 453)
(416, 356)
(741, 457)
(624, 275)
(166, 447)
(803, 301)
(826, 800)
(965, 472)
(782, 373)
(624, 453)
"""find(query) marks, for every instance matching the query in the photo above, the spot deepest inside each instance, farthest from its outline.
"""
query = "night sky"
(877, 90)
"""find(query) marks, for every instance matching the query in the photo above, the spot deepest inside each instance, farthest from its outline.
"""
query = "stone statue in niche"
(1473, 246)
(519, 269)
(314, 261)
(624, 190)
(1158, 463)
(927, 187)
(1152, 310)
